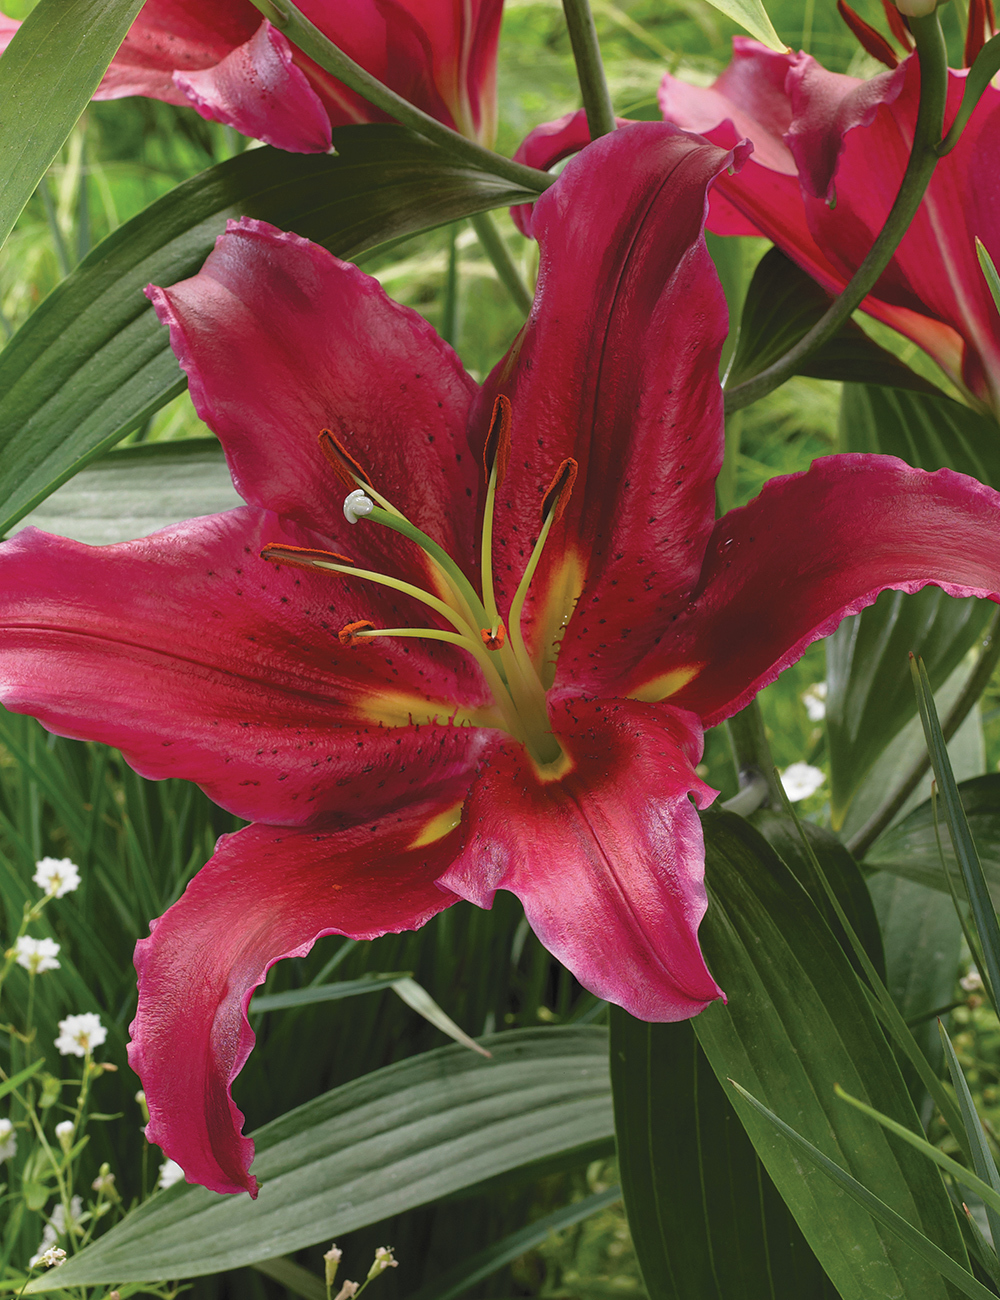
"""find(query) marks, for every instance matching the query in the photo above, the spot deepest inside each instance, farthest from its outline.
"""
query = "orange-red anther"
(493, 641)
(871, 40)
(343, 463)
(557, 494)
(349, 635)
(301, 556)
(496, 450)
(975, 33)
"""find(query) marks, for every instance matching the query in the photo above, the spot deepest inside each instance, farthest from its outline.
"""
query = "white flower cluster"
(8, 1141)
(36, 955)
(814, 698)
(170, 1173)
(801, 780)
(56, 876)
(79, 1035)
(58, 1225)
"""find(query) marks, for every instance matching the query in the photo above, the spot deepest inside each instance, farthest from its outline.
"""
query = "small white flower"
(330, 1260)
(104, 1181)
(56, 876)
(815, 701)
(973, 982)
(383, 1260)
(79, 1035)
(170, 1173)
(801, 780)
(348, 1290)
(64, 1133)
(36, 955)
(50, 1258)
(8, 1141)
(57, 1220)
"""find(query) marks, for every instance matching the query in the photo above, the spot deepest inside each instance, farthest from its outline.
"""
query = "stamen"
(357, 505)
(341, 461)
(557, 494)
(898, 25)
(351, 634)
(301, 556)
(494, 638)
(496, 451)
(872, 41)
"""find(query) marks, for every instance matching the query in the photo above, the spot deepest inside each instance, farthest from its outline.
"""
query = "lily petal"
(617, 369)
(811, 549)
(548, 144)
(200, 660)
(608, 859)
(327, 349)
(268, 893)
(258, 90)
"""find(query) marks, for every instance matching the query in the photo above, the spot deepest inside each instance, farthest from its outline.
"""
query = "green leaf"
(985, 261)
(917, 1241)
(923, 944)
(469, 1272)
(841, 871)
(22, 1076)
(48, 74)
(752, 16)
(910, 849)
(782, 305)
(313, 993)
(798, 1020)
(293, 1277)
(400, 1137)
(705, 1219)
(419, 1000)
(93, 362)
(982, 1156)
(134, 491)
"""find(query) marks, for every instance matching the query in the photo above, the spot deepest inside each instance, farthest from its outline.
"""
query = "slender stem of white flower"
(497, 251)
(301, 32)
(923, 159)
(589, 68)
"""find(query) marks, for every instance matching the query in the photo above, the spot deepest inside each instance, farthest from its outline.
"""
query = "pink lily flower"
(829, 154)
(509, 695)
(223, 59)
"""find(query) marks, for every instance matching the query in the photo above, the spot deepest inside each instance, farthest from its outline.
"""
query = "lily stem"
(923, 159)
(989, 657)
(496, 250)
(449, 307)
(752, 756)
(589, 67)
(310, 40)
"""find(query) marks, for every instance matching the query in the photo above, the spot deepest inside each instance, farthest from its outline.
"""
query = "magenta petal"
(618, 369)
(811, 549)
(268, 893)
(258, 90)
(546, 145)
(200, 660)
(326, 348)
(608, 860)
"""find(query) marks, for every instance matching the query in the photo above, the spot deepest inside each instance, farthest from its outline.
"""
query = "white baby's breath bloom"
(79, 1035)
(801, 780)
(57, 1227)
(348, 1290)
(36, 955)
(56, 876)
(50, 1258)
(383, 1260)
(170, 1173)
(815, 701)
(64, 1133)
(8, 1141)
(973, 982)
(104, 1181)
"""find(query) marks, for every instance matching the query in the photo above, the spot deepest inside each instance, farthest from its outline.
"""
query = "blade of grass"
(982, 1156)
(22, 1076)
(326, 992)
(417, 997)
(945, 1265)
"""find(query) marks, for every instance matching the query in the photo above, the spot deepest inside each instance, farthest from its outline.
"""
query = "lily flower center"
(497, 644)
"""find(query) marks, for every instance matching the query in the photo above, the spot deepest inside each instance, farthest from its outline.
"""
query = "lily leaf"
(704, 1216)
(797, 1019)
(49, 72)
(752, 16)
(782, 304)
(93, 363)
(405, 1135)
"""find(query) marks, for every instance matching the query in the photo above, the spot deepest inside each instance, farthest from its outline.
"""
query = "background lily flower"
(559, 619)
(829, 155)
(223, 59)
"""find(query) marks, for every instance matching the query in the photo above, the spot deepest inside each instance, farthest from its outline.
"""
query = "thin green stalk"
(923, 159)
(496, 250)
(58, 242)
(311, 41)
(589, 68)
(449, 307)
(989, 657)
(752, 755)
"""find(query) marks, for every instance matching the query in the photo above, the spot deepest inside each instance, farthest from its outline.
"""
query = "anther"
(357, 505)
(349, 635)
(341, 461)
(493, 638)
(496, 451)
(557, 494)
(301, 556)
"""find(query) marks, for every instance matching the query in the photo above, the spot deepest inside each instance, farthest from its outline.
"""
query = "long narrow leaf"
(982, 1156)
(921, 1245)
(417, 997)
(325, 992)
(22, 1076)
(49, 72)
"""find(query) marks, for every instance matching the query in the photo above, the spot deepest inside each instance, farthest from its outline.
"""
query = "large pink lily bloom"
(829, 155)
(579, 614)
(223, 59)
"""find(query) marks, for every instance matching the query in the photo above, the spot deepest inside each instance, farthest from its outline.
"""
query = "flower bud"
(916, 8)
(383, 1260)
(64, 1132)
(331, 1259)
